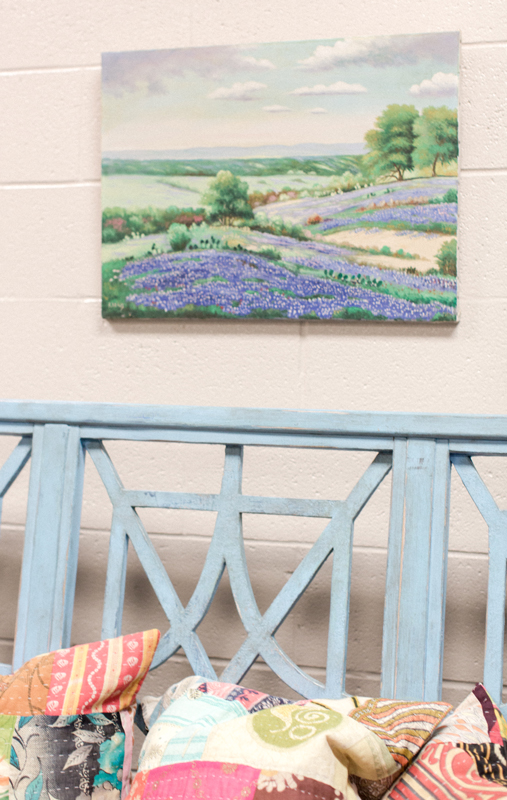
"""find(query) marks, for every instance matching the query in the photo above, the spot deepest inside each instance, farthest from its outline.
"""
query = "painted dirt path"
(425, 245)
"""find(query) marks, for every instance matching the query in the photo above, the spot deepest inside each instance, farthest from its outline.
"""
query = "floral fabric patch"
(67, 757)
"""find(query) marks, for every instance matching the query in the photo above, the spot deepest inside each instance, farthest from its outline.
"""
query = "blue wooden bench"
(419, 449)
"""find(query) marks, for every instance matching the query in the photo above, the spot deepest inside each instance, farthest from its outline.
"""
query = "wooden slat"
(13, 466)
(478, 448)
(189, 501)
(497, 527)
(261, 438)
(339, 611)
(285, 506)
(114, 597)
(437, 580)
(15, 428)
(51, 534)
(417, 539)
(197, 419)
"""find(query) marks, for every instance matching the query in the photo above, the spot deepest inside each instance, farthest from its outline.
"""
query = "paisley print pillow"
(466, 759)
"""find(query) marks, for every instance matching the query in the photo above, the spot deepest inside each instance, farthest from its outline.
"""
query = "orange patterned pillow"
(66, 720)
(102, 676)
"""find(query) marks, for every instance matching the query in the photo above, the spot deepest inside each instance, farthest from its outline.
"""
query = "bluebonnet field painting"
(299, 180)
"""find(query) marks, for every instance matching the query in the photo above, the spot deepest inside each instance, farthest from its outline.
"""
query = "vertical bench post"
(51, 542)
(416, 570)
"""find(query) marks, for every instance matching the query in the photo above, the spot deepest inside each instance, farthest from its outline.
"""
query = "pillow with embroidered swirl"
(219, 741)
(66, 720)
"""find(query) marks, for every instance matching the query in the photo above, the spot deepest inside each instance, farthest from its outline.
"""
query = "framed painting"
(312, 180)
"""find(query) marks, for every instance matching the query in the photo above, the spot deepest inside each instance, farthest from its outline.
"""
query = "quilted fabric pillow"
(224, 742)
(467, 757)
(66, 720)
(354, 746)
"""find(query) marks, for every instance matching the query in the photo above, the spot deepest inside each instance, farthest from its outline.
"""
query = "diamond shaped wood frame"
(227, 550)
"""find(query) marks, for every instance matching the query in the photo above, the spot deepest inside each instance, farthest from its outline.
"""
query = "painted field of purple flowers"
(250, 274)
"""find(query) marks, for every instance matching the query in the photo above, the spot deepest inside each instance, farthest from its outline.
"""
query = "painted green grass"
(142, 191)
(380, 251)
(447, 228)
(310, 165)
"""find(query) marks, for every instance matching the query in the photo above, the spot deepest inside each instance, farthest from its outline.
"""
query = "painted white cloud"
(384, 51)
(326, 57)
(238, 91)
(318, 110)
(257, 63)
(440, 85)
(340, 87)
(277, 109)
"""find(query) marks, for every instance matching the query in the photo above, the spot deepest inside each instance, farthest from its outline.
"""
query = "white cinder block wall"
(54, 344)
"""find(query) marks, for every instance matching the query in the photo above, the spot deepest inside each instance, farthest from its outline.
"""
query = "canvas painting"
(313, 180)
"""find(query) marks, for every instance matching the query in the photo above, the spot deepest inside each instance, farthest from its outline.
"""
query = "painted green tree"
(436, 132)
(391, 142)
(227, 198)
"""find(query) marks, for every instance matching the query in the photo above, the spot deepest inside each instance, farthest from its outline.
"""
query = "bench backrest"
(419, 449)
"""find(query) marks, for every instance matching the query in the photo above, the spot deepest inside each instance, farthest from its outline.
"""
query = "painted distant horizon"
(265, 151)
(291, 180)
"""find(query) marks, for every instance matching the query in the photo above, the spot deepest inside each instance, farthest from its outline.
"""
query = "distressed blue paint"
(51, 536)
(418, 447)
(15, 428)
(114, 596)
(478, 448)
(413, 623)
(285, 506)
(437, 578)
(497, 526)
(394, 571)
(127, 518)
(13, 466)
(290, 438)
(258, 420)
(342, 566)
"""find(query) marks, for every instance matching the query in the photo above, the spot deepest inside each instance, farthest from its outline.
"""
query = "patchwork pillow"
(66, 720)
(324, 748)
(466, 758)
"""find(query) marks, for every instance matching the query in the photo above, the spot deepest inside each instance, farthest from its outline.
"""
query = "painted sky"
(326, 91)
